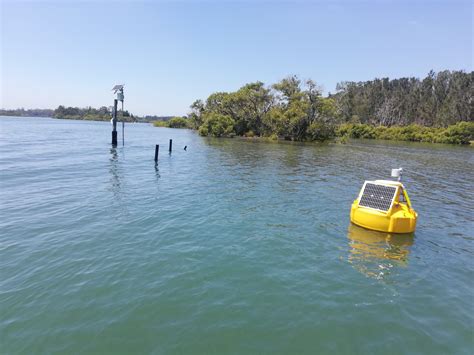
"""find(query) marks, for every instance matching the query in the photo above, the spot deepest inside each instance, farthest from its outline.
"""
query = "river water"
(230, 247)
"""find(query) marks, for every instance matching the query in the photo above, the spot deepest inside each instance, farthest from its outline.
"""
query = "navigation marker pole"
(117, 89)
(114, 124)
(157, 149)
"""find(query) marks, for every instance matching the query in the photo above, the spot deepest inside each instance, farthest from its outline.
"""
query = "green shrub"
(203, 130)
(343, 129)
(356, 130)
(344, 139)
(160, 123)
(178, 122)
(273, 137)
(460, 133)
(319, 131)
(363, 131)
(217, 125)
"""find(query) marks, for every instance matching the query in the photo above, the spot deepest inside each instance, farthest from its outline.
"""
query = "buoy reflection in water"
(375, 253)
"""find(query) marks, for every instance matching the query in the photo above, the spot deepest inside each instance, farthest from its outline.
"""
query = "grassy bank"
(459, 133)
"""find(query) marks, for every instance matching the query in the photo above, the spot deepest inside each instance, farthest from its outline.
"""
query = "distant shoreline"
(78, 118)
(87, 114)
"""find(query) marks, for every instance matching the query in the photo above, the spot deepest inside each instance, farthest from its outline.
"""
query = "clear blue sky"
(170, 53)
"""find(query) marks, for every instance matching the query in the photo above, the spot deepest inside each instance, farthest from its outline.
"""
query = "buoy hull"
(399, 219)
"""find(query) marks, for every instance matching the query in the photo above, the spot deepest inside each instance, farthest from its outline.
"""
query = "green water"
(230, 247)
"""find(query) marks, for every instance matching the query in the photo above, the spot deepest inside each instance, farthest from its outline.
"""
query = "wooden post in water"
(114, 123)
(157, 148)
(171, 145)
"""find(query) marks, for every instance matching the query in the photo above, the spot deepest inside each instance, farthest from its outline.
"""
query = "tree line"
(21, 112)
(89, 113)
(103, 113)
(293, 109)
(438, 100)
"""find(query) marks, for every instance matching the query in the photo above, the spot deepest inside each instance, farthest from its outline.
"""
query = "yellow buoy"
(384, 205)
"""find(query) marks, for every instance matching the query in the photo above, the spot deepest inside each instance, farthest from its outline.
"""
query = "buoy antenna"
(397, 173)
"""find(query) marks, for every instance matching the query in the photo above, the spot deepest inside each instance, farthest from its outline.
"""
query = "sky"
(170, 53)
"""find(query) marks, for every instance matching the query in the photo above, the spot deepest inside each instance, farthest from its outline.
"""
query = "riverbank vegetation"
(102, 114)
(438, 108)
(21, 112)
(175, 122)
(90, 114)
(76, 113)
(459, 133)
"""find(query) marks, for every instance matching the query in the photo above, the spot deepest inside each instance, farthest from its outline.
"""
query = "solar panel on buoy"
(378, 197)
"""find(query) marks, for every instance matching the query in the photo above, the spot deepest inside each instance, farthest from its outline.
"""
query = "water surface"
(228, 247)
